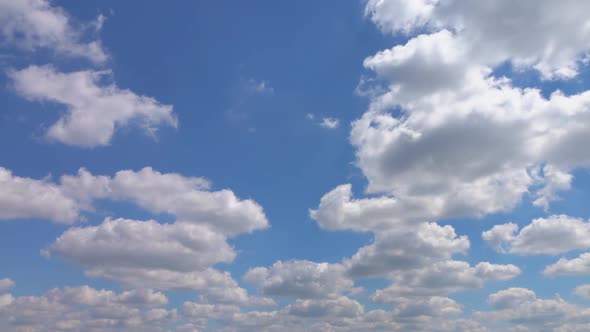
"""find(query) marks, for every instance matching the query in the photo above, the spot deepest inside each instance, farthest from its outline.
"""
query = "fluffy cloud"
(94, 110)
(334, 308)
(553, 235)
(442, 85)
(178, 255)
(424, 155)
(189, 199)
(522, 309)
(31, 24)
(338, 210)
(130, 244)
(22, 197)
(552, 37)
(511, 298)
(500, 236)
(406, 248)
(6, 284)
(443, 278)
(88, 309)
(330, 123)
(583, 291)
(300, 279)
(435, 306)
(570, 267)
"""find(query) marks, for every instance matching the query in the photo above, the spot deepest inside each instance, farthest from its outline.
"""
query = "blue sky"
(380, 165)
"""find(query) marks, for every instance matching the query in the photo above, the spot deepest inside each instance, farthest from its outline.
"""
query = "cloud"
(466, 142)
(324, 122)
(330, 123)
(338, 210)
(499, 237)
(443, 278)
(260, 87)
(32, 24)
(435, 306)
(143, 254)
(405, 248)
(178, 255)
(300, 279)
(186, 198)
(6, 284)
(88, 309)
(511, 298)
(339, 307)
(22, 198)
(551, 38)
(554, 235)
(521, 308)
(583, 291)
(121, 243)
(579, 266)
(94, 109)
(189, 199)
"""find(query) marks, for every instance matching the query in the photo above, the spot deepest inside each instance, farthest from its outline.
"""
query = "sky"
(337, 165)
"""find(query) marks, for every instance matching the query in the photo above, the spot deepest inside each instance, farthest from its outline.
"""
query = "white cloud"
(434, 306)
(570, 267)
(338, 210)
(94, 109)
(324, 122)
(511, 298)
(261, 87)
(553, 181)
(554, 235)
(122, 243)
(521, 308)
(32, 24)
(300, 279)
(405, 248)
(499, 237)
(85, 309)
(187, 198)
(339, 307)
(178, 255)
(330, 123)
(6, 284)
(22, 198)
(153, 255)
(551, 37)
(466, 143)
(583, 291)
(443, 278)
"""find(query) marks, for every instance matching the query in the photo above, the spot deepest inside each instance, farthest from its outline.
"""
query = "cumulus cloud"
(554, 235)
(130, 244)
(300, 279)
(94, 109)
(88, 309)
(189, 199)
(466, 142)
(143, 254)
(339, 307)
(32, 24)
(330, 123)
(499, 237)
(443, 278)
(552, 37)
(6, 284)
(521, 308)
(403, 249)
(570, 267)
(22, 197)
